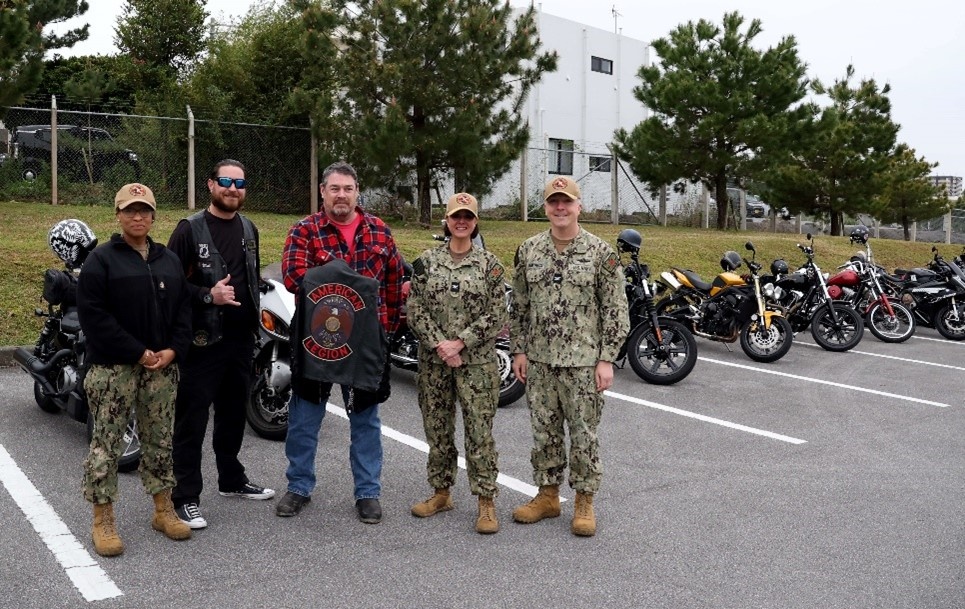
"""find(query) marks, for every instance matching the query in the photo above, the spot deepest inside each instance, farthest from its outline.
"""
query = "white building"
(574, 111)
(952, 185)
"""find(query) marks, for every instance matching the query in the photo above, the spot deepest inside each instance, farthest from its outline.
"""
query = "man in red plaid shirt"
(343, 230)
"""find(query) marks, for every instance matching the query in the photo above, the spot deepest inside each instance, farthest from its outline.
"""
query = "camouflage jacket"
(569, 308)
(450, 300)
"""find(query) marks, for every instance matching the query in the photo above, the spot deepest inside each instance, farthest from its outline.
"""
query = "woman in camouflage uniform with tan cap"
(457, 307)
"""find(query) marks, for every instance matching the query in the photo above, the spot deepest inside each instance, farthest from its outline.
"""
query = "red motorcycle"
(858, 283)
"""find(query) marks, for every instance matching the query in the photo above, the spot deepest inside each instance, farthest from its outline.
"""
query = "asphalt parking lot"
(830, 480)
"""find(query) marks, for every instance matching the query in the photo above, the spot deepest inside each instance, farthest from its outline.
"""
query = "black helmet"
(71, 240)
(730, 261)
(629, 240)
(779, 267)
(859, 234)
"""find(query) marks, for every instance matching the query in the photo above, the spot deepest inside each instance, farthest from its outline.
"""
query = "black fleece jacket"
(127, 304)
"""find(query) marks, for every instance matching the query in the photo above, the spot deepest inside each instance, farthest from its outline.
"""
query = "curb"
(6, 357)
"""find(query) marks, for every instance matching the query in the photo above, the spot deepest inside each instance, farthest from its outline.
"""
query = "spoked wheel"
(950, 321)
(767, 344)
(131, 455)
(267, 406)
(894, 327)
(840, 336)
(662, 362)
(510, 388)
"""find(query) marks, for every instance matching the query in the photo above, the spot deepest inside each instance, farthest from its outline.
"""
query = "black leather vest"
(206, 319)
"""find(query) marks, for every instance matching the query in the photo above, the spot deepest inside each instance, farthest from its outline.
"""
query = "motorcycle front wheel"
(767, 344)
(844, 335)
(895, 328)
(510, 388)
(266, 408)
(662, 362)
(950, 321)
(131, 455)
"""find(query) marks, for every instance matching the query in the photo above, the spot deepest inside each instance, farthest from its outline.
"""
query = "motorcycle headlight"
(768, 290)
(274, 325)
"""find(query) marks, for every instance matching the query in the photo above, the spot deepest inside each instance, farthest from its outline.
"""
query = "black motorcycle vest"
(336, 335)
(206, 320)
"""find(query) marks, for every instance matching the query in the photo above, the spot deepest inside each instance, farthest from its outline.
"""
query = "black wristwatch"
(207, 298)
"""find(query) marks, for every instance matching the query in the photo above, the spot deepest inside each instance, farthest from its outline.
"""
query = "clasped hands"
(449, 351)
(156, 360)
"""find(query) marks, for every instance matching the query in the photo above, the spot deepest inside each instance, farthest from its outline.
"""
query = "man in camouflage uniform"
(569, 321)
(457, 307)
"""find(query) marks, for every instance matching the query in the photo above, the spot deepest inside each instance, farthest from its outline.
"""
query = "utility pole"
(616, 15)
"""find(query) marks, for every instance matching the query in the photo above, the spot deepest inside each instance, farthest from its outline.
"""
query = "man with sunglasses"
(218, 248)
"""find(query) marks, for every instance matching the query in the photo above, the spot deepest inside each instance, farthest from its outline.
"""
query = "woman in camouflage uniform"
(457, 307)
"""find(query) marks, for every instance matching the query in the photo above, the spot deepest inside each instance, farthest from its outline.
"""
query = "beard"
(227, 205)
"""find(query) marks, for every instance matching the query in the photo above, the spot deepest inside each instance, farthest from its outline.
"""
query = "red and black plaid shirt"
(315, 240)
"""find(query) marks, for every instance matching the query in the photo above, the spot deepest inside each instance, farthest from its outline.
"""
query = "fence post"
(53, 150)
(663, 205)
(914, 231)
(313, 169)
(191, 193)
(523, 186)
(614, 189)
(705, 199)
(948, 227)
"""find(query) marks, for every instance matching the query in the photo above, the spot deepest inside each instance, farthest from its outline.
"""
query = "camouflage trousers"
(476, 388)
(559, 395)
(113, 393)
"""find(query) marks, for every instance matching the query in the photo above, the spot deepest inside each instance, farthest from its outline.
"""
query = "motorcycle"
(661, 350)
(57, 362)
(935, 295)
(267, 406)
(858, 283)
(806, 302)
(728, 308)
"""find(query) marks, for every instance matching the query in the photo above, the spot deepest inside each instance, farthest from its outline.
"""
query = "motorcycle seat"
(70, 323)
(695, 280)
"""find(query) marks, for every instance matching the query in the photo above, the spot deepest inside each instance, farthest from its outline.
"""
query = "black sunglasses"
(226, 182)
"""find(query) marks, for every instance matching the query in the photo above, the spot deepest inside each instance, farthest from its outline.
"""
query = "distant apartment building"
(951, 184)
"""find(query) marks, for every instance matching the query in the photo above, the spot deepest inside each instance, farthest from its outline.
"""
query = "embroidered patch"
(611, 262)
(497, 272)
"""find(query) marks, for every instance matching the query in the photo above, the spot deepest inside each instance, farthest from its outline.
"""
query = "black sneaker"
(369, 510)
(291, 504)
(250, 491)
(190, 514)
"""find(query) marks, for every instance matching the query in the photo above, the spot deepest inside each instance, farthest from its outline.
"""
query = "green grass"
(24, 254)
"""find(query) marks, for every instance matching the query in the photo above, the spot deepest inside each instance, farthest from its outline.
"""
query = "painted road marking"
(824, 382)
(900, 359)
(507, 481)
(89, 579)
(705, 418)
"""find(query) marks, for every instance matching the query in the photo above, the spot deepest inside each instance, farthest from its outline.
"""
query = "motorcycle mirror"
(808, 237)
(750, 247)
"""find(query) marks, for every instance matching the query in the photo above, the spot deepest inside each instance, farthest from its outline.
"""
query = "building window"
(561, 156)
(598, 64)
(600, 163)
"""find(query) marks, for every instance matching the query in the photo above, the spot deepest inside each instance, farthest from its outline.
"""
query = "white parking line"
(824, 382)
(705, 418)
(960, 343)
(900, 359)
(507, 481)
(89, 579)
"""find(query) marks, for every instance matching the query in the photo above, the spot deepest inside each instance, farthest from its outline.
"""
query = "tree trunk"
(422, 185)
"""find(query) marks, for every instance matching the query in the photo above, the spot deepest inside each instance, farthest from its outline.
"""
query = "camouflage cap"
(564, 185)
(462, 201)
(134, 193)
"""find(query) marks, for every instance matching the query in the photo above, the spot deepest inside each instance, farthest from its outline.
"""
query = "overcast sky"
(916, 47)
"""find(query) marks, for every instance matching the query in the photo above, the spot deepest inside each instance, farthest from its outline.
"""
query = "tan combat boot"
(165, 520)
(106, 540)
(486, 523)
(439, 502)
(584, 522)
(546, 504)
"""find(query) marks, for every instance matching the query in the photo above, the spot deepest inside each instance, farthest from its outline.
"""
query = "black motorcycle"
(57, 362)
(807, 303)
(661, 350)
(936, 295)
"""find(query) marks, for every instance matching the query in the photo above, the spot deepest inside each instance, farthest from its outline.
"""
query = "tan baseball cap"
(462, 201)
(564, 185)
(134, 193)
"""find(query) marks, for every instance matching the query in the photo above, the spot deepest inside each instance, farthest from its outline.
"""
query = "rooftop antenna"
(616, 15)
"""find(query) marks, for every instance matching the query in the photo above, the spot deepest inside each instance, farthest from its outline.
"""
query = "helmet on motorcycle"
(629, 240)
(779, 267)
(71, 240)
(730, 261)
(859, 234)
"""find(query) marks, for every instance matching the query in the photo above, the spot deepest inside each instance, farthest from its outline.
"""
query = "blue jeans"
(365, 451)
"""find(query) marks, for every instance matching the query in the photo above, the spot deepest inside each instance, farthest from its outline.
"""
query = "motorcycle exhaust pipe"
(34, 365)
(406, 361)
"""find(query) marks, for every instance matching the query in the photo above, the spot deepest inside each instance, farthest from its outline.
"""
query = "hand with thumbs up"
(224, 294)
